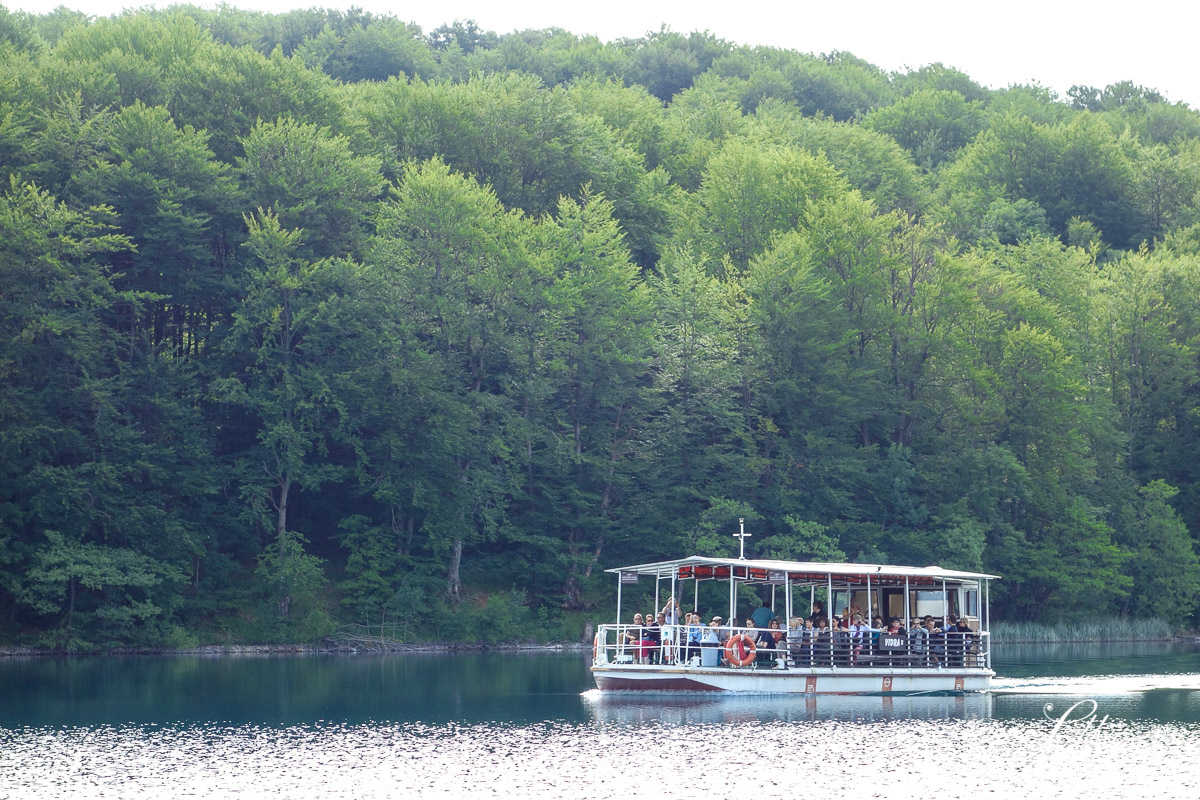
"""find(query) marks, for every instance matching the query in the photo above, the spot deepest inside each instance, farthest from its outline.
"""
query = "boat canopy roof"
(799, 572)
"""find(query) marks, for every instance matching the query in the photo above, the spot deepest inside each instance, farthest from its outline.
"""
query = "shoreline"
(410, 648)
(296, 649)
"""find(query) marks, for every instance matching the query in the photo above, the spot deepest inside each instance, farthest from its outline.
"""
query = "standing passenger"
(762, 615)
(695, 632)
(860, 634)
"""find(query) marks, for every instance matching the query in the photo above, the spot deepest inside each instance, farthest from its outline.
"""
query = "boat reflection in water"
(640, 708)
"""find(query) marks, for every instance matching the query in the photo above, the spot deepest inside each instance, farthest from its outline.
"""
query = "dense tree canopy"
(317, 319)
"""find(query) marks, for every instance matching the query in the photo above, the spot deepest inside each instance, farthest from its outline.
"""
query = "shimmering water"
(499, 725)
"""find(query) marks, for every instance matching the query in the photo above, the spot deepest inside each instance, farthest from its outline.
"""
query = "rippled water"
(498, 726)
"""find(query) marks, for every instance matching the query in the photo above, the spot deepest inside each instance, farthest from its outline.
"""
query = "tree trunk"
(71, 603)
(285, 598)
(453, 582)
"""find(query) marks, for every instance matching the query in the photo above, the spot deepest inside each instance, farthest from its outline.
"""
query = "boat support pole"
(620, 638)
(674, 615)
(987, 610)
(829, 602)
(732, 602)
(787, 597)
(907, 615)
(657, 578)
(945, 603)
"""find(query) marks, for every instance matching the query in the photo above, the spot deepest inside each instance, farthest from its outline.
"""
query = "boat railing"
(689, 646)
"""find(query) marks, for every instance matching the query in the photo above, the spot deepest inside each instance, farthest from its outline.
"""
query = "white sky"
(1056, 43)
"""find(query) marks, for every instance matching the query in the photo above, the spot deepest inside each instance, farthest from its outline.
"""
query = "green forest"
(317, 319)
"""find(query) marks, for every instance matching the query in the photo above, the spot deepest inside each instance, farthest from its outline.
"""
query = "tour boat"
(873, 662)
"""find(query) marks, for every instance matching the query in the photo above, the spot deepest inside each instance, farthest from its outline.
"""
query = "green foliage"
(310, 319)
(310, 179)
(932, 124)
(1115, 629)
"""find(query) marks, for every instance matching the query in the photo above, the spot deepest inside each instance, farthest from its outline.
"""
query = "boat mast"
(741, 536)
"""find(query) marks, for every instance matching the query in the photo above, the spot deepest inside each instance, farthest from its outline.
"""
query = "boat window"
(934, 603)
(972, 603)
(840, 598)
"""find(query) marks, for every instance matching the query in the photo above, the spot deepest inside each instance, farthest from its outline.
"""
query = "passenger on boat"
(764, 640)
(958, 642)
(776, 634)
(652, 638)
(848, 614)
(667, 637)
(822, 644)
(762, 615)
(633, 633)
(795, 636)
(918, 642)
(860, 635)
(841, 644)
(671, 610)
(695, 632)
(633, 636)
(818, 612)
(877, 627)
(712, 637)
(937, 641)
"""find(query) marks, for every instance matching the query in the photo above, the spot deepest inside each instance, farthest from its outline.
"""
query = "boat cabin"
(832, 595)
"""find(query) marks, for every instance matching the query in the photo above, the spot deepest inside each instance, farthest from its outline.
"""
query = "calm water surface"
(497, 725)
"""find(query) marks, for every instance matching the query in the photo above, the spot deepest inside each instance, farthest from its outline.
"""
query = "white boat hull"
(793, 680)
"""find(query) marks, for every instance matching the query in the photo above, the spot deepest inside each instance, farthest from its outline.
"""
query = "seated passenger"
(765, 641)
(840, 645)
(937, 642)
(959, 641)
(918, 643)
(877, 627)
(712, 637)
(822, 644)
(652, 633)
(633, 636)
(807, 640)
(777, 637)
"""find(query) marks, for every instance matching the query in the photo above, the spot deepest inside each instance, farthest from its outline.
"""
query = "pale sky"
(1055, 43)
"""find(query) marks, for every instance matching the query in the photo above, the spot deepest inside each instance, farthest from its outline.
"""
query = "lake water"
(500, 725)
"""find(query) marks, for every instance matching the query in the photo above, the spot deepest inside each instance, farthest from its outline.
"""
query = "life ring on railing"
(595, 647)
(740, 650)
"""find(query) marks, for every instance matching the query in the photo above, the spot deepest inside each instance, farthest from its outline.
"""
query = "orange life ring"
(740, 650)
(595, 646)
